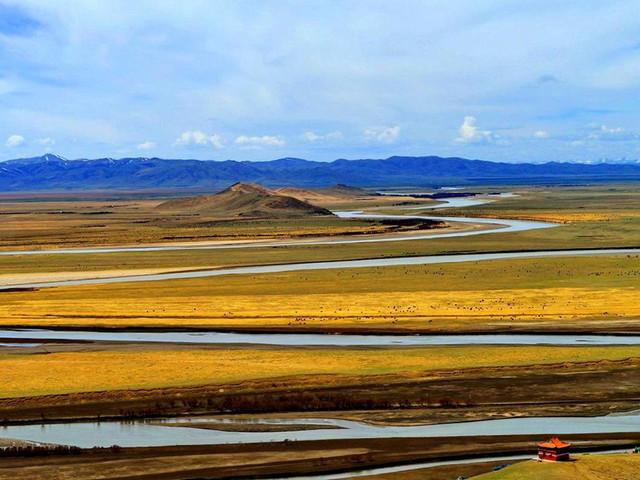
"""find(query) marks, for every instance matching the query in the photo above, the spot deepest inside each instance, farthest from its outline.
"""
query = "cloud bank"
(323, 80)
(196, 138)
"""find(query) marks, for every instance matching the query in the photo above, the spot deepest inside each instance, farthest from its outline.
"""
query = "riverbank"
(104, 388)
(419, 396)
(282, 459)
(584, 291)
(592, 467)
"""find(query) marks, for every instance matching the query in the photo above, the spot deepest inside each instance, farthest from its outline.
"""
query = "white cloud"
(14, 141)
(45, 142)
(264, 141)
(612, 133)
(424, 81)
(542, 134)
(146, 145)
(577, 143)
(196, 137)
(470, 133)
(312, 137)
(383, 134)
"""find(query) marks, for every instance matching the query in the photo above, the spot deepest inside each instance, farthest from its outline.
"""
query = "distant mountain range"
(52, 172)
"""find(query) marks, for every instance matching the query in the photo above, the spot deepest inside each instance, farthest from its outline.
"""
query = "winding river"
(157, 433)
(329, 265)
(153, 433)
(30, 337)
(503, 225)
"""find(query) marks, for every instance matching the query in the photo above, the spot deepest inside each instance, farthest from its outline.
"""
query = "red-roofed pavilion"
(554, 450)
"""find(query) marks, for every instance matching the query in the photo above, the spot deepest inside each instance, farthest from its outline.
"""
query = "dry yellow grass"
(27, 375)
(51, 224)
(581, 217)
(563, 291)
(565, 217)
(589, 467)
(375, 310)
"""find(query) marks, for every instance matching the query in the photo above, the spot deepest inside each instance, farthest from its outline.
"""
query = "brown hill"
(338, 192)
(245, 200)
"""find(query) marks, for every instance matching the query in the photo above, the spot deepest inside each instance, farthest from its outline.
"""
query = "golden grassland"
(543, 292)
(55, 373)
(585, 467)
(623, 232)
(593, 217)
(560, 217)
(566, 203)
(51, 224)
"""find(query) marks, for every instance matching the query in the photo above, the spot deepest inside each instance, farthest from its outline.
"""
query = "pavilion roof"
(554, 442)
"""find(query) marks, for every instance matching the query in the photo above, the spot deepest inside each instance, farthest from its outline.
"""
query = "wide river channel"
(154, 433)
(157, 433)
(329, 265)
(31, 337)
(500, 224)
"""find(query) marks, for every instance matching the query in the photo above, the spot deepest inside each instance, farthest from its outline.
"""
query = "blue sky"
(255, 80)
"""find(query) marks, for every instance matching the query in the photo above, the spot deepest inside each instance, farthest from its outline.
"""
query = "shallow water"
(295, 267)
(145, 433)
(503, 225)
(405, 468)
(307, 339)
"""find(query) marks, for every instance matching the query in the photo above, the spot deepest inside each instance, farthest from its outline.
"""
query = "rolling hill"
(319, 196)
(244, 200)
(52, 172)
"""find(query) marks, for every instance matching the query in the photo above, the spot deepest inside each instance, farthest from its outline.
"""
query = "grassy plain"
(563, 204)
(433, 383)
(80, 223)
(592, 217)
(591, 467)
(571, 293)
(69, 372)
(77, 222)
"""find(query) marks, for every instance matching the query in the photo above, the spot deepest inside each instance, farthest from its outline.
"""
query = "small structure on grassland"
(554, 450)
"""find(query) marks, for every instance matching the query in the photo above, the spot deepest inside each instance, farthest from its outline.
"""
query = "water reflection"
(147, 433)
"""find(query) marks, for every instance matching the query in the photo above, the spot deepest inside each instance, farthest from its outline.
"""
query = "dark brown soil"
(252, 427)
(590, 388)
(284, 458)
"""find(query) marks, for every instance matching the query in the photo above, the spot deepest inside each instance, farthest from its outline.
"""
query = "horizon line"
(622, 161)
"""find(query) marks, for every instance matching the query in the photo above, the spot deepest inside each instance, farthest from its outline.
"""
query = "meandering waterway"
(147, 433)
(498, 224)
(30, 337)
(153, 433)
(296, 267)
(504, 226)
